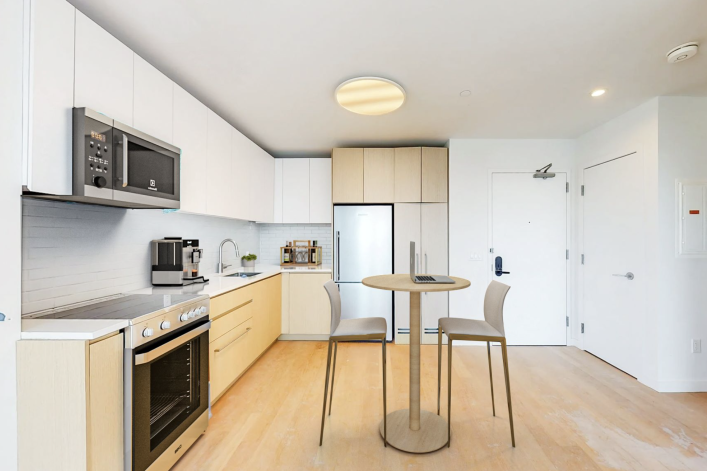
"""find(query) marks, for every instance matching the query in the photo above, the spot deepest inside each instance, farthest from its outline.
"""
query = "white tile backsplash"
(76, 252)
(274, 236)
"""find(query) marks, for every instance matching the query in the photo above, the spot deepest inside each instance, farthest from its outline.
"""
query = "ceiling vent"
(682, 52)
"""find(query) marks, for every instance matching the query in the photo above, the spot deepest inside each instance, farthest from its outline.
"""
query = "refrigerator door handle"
(426, 272)
(338, 256)
(417, 263)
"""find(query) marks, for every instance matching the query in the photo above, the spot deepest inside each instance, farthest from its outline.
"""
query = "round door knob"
(147, 332)
(184, 317)
(165, 325)
(99, 182)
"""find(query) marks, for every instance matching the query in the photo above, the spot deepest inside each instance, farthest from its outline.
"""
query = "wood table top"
(404, 283)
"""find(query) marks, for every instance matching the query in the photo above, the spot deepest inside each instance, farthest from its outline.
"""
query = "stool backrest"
(335, 300)
(493, 305)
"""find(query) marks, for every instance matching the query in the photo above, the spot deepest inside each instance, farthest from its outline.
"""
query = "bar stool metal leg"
(385, 400)
(449, 393)
(493, 402)
(326, 387)
(333, 372)
(508, 390)
(439, 366)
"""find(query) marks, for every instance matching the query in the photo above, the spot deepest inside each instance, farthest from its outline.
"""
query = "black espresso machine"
(175, 262)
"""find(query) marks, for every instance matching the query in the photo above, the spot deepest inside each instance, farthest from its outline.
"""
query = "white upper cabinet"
(152, 101)
(190, 135)
(320, 191)
(219, 179)
(262, 187)
(295, 190)
(277, 193)
(243, 156)
(103, 72)
(48, 160)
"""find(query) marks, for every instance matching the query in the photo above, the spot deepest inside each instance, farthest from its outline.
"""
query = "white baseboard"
(324, 337)
(680, 386)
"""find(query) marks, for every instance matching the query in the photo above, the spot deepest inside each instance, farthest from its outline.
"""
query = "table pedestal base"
(431, 437)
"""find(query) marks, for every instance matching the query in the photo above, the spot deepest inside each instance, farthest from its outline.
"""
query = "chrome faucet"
(221, 266)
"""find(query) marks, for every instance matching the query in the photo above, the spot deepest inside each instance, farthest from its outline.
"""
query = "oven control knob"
(184, 317)
(99, 181)
(192, 314)
(147, 332)
(165, 325)
(202, 310)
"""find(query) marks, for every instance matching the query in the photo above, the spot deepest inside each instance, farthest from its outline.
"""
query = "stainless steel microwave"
(116, 165)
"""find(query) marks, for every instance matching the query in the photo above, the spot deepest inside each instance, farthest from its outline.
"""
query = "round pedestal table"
(413, 430)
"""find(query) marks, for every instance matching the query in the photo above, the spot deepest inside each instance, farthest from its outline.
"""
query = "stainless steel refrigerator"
(363, 246)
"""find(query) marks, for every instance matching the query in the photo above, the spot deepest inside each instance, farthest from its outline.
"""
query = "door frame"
(568, 227)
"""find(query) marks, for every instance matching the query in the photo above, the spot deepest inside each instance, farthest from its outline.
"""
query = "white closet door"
(103, 72)
(190, 135)
(295, 191)
(406, 227)
(320, 191)
(153, 99)
(434, 260)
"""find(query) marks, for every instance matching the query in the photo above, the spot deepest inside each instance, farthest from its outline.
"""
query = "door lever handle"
(628, 275)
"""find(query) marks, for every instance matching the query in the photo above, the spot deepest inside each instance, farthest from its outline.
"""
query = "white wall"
(470, 161)
(682, 144)
(77, 252)
(10, 220)
(274, 236)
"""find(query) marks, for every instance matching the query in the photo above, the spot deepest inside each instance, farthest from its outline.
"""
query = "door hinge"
(582, 327)
(582, 259)
(491, 250)
(568, 320)
(567, 254)
(567, 187)
(582, 190)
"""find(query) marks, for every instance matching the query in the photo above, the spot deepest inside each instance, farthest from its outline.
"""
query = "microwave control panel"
(98, 154)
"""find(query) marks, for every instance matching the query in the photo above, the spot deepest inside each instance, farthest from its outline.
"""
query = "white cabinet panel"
(406, 228)
(434, 260)
(262, 187)
(152, 101)
(295, 191)
(277, 194)
(190, 135)
(51, 97)
(219, 182)
(242, 157)
(103, 72)
(320, 191)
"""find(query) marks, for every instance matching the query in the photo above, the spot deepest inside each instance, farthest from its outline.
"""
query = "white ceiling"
(270, 67)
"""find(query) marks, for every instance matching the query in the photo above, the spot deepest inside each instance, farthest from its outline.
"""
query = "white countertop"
(91, 329)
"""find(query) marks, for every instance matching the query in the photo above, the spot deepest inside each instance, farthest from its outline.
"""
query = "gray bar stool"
(488, 330)
(364, 328)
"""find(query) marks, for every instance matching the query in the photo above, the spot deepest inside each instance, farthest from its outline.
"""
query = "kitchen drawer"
(229, 301)
(226, 322)
(230, 355)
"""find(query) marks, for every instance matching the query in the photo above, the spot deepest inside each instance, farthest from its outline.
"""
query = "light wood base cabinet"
(245, 322)
(306, 309)
(70, 404)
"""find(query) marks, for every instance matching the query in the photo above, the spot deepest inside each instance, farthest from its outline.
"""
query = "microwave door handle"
(125, 160)
(157, 352)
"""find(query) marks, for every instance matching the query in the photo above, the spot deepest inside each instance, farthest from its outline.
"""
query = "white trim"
(324, 337)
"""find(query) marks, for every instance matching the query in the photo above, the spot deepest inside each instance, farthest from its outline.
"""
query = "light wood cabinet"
(347, 175)
(230, 355)
(307, 309)
(408, 175)
(190, 124)
(434, 175)
(103, 78)
(152, 101)
(70, 404)
(320, 191)
(51, 97)
(378, 175)
(295, 191)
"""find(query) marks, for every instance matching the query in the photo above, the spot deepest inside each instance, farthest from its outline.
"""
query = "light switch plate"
(696, 346)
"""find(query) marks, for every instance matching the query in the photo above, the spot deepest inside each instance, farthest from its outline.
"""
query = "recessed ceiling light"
(598, 92)
(465, 93)
(370, 95)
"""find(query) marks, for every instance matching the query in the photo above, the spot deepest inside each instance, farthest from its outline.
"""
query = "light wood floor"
(572, 412)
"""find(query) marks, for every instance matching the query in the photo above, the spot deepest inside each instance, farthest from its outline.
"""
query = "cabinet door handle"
(338, 256)
(232, 341)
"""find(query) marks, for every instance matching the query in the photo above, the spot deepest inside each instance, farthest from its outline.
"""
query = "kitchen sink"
(244, 274)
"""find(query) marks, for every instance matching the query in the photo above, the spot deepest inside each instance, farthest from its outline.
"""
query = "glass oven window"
(150, 170)
(174, 390)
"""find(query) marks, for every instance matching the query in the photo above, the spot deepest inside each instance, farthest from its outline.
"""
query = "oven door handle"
(147, 357)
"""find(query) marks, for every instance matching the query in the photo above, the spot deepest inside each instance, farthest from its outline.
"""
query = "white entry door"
(613, 247)
(529, 233)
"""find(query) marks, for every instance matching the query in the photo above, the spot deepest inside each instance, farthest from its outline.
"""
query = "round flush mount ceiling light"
(465, 93)
(598, 92)
(682, 52)
(370, 95)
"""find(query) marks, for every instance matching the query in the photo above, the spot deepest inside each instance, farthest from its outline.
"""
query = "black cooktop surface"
(125, 307)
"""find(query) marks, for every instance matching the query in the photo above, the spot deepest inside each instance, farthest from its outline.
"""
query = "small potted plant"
(248, 260)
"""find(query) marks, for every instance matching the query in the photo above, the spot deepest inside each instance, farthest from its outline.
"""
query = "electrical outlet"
(696, 346)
